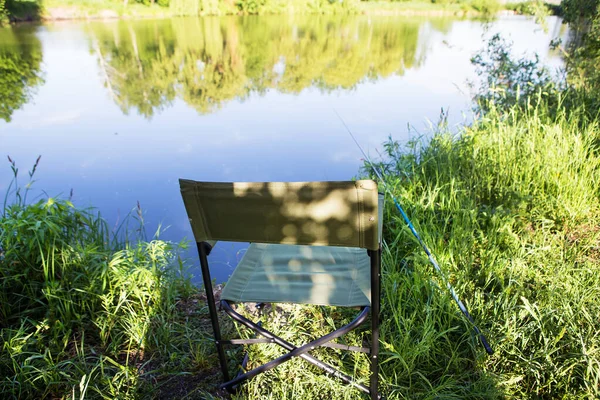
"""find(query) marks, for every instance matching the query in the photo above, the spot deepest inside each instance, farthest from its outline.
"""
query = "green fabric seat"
(320, 275)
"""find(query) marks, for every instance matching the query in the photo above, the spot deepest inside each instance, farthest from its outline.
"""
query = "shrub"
(506, 81)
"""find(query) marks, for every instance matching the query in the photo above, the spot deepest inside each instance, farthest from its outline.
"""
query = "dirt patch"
(586, 237)
(201, 382)
(190, 386)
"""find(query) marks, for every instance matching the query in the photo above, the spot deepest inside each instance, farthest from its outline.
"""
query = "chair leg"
(375, 361)
(212, 309)
(375, 303)
(294, 351)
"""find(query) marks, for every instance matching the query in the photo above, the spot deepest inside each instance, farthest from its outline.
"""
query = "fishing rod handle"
(486, 345)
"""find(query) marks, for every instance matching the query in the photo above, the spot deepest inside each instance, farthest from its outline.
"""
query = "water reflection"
(20, 72)
(207, 62)
(231, 99)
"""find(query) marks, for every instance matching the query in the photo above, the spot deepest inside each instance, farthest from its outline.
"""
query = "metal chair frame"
(204, 249)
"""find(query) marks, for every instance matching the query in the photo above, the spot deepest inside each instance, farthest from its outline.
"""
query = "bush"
(506, 81)
(575, 11)
(536, 8)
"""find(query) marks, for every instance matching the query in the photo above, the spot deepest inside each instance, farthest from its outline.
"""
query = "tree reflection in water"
(206, 62)
(20, 68)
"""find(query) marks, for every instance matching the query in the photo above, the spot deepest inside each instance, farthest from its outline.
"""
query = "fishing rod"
(460, 304)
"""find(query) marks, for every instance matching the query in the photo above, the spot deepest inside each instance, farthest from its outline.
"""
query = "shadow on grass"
(180, 361)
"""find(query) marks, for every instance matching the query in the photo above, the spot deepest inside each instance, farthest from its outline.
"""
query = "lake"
(120, 110)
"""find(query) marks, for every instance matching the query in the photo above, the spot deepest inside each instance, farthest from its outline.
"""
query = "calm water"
(120, 110)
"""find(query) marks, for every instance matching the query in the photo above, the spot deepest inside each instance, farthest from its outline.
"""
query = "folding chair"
(308, 242)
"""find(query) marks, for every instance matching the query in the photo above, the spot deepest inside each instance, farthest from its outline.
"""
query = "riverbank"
(510, 208)
(58, 10)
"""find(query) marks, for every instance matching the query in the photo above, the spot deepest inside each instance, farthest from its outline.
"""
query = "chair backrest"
(309, 213)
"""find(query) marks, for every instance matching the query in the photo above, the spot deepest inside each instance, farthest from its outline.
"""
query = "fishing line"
(436, 266)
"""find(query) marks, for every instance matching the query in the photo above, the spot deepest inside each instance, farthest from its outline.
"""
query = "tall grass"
(511, 208)
(85, 314)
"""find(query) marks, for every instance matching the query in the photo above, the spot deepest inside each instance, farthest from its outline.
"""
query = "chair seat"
(320, 275)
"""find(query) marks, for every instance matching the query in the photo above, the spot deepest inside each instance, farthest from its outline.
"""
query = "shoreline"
(78, 13)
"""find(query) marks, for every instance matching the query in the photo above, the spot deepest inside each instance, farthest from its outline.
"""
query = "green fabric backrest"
(310, 213)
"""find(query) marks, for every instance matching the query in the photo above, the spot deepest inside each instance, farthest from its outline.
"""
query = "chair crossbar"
(294, 351)
(346, 347)
(339, 346)
(247, 341)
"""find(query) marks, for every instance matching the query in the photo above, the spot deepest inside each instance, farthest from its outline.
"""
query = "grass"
(413, 7)
(511, 209)
(86, 313)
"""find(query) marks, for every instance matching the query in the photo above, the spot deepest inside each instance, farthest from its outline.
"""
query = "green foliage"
(575, 11)
(536, 8)
(82, 313)
(507, 81)
(583, 51)
(3, 12)
(28, 10)
(23, 10)
(486, 7)
(511, 210)
(249, 7)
